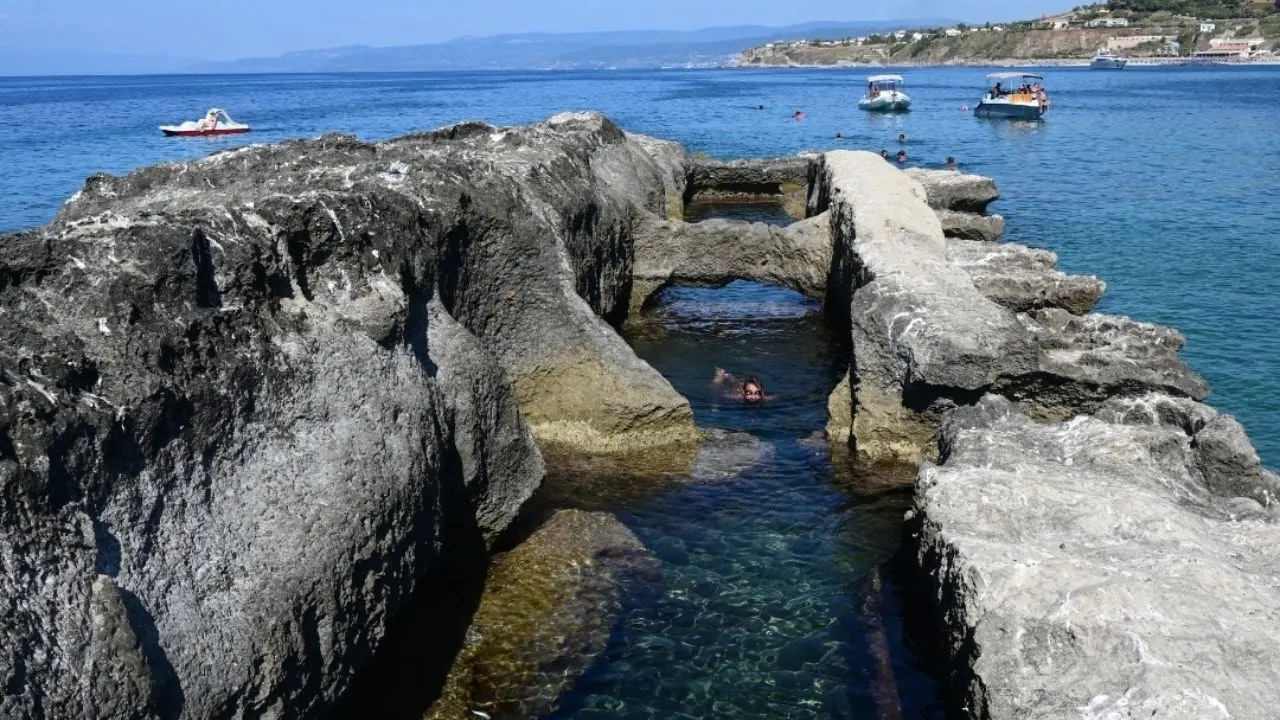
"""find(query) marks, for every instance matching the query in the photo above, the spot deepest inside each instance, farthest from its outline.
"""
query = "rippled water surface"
(1165, 182)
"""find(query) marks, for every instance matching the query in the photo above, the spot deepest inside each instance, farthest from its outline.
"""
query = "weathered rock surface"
(925, 339)
(970, 226)
(1119, 565)
(1023, 279)
(546, 614)
(248, 402)
(785, 177)
(714, 252)
(959, 192)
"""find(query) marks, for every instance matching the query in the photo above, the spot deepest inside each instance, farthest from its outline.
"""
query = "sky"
(230, 29)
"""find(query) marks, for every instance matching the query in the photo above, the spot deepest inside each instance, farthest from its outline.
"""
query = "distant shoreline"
(1010, 62)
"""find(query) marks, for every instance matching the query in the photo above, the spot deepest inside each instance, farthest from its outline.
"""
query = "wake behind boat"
(215, 122)
(884, 94)
(1015, 96)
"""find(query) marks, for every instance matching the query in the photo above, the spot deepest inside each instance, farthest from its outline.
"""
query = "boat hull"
(1108, 64)
(887, 103)
(1008, 111)
(177, 132)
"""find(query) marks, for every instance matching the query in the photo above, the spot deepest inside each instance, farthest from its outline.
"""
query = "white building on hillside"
(1207, 27)
(952, 32)
(1108, 22)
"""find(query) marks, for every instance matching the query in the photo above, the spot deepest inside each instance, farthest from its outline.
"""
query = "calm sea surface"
(1163, 182)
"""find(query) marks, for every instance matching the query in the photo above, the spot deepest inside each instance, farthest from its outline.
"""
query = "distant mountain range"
(628, 49)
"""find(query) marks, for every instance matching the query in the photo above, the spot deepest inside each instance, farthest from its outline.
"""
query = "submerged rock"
(1119, 565)
(547, 612)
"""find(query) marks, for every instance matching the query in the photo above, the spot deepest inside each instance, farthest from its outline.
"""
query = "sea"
(1162, 181)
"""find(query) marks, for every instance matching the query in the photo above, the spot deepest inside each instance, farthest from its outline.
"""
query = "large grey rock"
(970, 226)
(1114, 566)
(926, 339)
(248, 403)
(1023, 279)
(714, 252)
(961, 192)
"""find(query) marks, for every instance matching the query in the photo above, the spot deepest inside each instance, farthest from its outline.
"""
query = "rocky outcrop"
(547, 612)
(961, 201)
(1023, 279)
(750, 179)
(1118, 565)
(926, 339)
(714, 252)
(247, 403)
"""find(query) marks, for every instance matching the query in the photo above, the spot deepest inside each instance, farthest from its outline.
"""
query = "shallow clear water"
(763, 606)
(1165, 182)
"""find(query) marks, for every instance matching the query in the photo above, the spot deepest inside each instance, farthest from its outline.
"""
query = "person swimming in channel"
(902, 157)
(750, 390)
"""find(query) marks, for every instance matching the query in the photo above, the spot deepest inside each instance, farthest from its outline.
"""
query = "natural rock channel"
(253, 407)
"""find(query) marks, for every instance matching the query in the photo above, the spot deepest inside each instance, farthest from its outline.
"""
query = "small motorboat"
(1108, 61)
(1014, 96)
(214, 122)
(884, 94)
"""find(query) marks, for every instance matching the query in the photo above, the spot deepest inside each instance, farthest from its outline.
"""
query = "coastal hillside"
(1241, 30)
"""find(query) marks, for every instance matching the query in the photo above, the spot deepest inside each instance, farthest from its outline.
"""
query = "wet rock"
(926, 339)
(547, 612)
(751, 178)
(715, 252)
(1101, 567)
(1023, 279)
(265, 393)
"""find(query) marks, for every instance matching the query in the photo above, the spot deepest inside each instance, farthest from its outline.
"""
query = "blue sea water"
(1164, 182)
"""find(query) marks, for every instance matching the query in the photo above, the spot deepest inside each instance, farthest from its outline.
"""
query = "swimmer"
(759, 107)
(750, 390)
(951, 163)
(902, 138)
(798, 115)
(884, 153)
(902, 157)
(839, 136)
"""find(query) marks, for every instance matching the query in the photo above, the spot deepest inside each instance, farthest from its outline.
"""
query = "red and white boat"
(214, 122)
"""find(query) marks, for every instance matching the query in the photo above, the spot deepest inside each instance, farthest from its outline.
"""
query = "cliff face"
(248, 403)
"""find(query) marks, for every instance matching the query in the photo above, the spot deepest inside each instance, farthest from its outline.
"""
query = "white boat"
(884, 94)
(1015, 96)
(214, 122)
(1108, 61)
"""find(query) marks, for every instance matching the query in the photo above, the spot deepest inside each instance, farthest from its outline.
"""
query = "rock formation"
(1117, 565)
(935, 324)
(247, 403)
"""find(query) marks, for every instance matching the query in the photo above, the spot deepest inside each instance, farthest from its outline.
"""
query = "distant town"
(1132, 28)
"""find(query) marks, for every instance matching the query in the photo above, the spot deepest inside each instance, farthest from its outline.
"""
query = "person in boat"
(997, 91)
(210, 121)
(750, 390)
(902, 157)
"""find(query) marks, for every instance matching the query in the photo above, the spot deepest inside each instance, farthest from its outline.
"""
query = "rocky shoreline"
(250, 404)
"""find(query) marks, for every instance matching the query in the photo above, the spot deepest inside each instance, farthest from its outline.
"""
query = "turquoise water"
(765, 609)
(1165, 182)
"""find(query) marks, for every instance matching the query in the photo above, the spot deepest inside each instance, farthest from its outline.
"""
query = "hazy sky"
(225, 29)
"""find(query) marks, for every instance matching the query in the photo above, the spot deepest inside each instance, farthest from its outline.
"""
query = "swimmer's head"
(753, 390)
